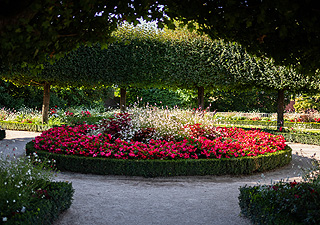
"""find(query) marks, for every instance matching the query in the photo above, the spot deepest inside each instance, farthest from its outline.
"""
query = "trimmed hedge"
(12, 125)
(250, 122)
(312, 138)
(281, 203)
(164, 168)
(45, 211)
(287, 124)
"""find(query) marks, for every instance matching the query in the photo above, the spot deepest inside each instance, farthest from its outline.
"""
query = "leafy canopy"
(287, 31)
(32, 30)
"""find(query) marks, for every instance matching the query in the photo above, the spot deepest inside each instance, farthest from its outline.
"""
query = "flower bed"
(228, 150)
(227, 143)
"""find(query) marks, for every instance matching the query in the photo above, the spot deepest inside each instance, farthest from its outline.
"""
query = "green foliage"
(46, 211)
(13, 96)
(20, 178)
(291, 125)
(306, 102)
(16, 97)
(161, 97)
(11, 125)
(282, 203)
(222, 101)
(33, 32)
(155, 168)
(311, 138)
(246, 101)
(281, 30)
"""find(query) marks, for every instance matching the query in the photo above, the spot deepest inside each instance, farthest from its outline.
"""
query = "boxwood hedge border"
(12, 125)
(46, 211)
(303, 125)
(165, 168)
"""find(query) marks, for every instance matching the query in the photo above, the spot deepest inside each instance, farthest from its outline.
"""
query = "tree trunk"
(123, 93)
(280, 110)
(46, 101)
(201, 98)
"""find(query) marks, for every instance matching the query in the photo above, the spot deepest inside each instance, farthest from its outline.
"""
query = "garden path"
(177, 200)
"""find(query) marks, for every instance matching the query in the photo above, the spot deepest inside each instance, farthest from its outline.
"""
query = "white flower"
(4, 219)
(23, 209)
(13, 200)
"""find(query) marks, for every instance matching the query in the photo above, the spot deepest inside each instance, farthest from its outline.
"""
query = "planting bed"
(198, 150)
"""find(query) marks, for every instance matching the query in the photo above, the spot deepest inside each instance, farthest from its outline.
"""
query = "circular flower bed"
(157, 143)
(226, 143)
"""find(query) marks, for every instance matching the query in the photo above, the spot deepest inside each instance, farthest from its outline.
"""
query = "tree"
(287, 31)
(32, 30)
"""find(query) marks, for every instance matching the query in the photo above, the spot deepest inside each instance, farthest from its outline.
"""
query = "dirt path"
(177, 200)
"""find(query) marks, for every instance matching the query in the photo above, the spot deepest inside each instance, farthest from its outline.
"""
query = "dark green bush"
(155, 168)
(44, 211)
(281, 203)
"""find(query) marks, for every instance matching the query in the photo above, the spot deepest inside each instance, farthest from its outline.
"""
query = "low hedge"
(283, 203)
(310, 137)
(12, 125)
(302, 125)
(46, 211)
(250, 122)
(164, 168)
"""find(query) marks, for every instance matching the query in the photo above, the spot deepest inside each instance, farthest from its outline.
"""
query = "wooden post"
(201, 98)
(123, 93)
(280, 109)
(46, 101)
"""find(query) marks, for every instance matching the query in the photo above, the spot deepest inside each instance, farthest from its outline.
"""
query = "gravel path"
(177, 200)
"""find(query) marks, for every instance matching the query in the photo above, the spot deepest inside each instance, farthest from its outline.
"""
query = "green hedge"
(279, 204)
(164, 168)
(249, 122)
(45, 211)
(310, 137)
(273, 123)
(11, 125)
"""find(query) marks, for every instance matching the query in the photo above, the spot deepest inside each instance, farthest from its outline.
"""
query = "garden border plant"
(157, 167)
(305, 125)
(28, 192)
(13, 125)
(47, 210)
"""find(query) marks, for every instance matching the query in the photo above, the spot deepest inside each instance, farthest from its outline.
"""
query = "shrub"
(27, 193)
(284, 203)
